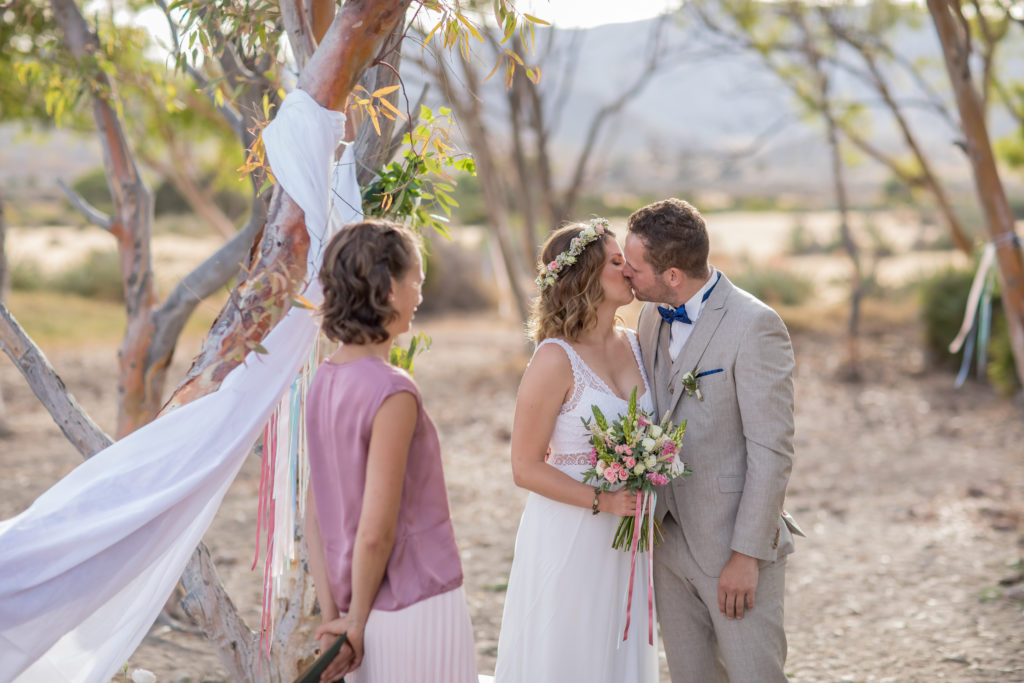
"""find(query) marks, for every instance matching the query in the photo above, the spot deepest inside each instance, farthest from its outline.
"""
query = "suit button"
(671, 390)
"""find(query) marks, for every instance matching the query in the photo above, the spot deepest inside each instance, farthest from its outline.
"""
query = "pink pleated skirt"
(428, 642)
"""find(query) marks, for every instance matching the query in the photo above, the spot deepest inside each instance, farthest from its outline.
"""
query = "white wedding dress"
(566, 602)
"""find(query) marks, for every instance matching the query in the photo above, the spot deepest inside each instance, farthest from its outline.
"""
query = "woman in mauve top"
(381, 546)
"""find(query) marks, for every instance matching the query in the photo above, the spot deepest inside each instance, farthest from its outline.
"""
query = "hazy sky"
(586, 13)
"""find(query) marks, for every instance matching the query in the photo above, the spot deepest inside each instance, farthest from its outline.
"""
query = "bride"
(565, 608)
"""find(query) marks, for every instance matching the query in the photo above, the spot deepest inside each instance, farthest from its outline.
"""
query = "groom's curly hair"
(568, 308)
(360, 263)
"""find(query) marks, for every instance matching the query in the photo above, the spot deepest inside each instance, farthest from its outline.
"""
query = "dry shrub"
(456, 279)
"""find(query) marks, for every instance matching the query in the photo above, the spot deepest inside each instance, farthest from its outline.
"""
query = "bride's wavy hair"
(360, 263)
(568, 307)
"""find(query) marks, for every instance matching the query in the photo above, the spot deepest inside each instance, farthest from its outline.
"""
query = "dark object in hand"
(313, 673)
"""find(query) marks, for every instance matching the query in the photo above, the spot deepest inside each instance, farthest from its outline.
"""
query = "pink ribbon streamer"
(643, 502)
(652, 499)
(632, 565)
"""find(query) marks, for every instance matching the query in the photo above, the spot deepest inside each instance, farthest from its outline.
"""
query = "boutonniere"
(691, 381)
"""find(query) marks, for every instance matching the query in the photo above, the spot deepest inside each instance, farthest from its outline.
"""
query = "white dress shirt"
(694, 306)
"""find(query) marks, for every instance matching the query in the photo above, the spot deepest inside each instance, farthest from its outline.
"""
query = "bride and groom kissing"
(710, 354)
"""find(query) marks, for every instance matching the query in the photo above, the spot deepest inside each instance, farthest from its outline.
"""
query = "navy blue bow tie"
(670, 315)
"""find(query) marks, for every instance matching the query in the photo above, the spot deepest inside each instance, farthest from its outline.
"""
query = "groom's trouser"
(701, 644)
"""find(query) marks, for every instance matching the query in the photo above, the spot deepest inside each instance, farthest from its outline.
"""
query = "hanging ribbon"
(976, 327)
(644, 515)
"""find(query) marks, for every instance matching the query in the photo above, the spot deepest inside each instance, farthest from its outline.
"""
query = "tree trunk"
(349, 46)
(130, 225)
(5, 279)
(256, 305)
(998, 218)
(524, 176)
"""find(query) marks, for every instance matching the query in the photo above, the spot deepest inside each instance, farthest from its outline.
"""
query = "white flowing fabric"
(565, 606)
(87, 568)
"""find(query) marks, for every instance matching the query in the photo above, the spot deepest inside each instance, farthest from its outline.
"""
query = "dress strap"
(581, 374)
(574, 358)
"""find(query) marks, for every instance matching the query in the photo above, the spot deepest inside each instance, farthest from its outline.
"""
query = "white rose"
(648, 444)
(656, 431)
(143, 676)
(650, 462)
(639, 469)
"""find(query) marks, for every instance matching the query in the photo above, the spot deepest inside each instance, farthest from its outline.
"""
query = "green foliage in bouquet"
(635, 452)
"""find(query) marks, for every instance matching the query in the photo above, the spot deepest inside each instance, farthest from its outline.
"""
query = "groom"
(721, 360)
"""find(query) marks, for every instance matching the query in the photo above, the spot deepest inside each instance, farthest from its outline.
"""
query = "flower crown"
(549, 272)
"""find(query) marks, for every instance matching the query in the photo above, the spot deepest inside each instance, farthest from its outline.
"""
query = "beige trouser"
(701, 644)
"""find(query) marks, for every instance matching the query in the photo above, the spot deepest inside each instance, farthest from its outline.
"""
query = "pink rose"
(620, 449)
(623, 474)
(630, 462)
(553, 265)
(657, 479)
(611, 474)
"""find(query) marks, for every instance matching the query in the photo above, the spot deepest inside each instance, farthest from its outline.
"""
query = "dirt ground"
(912, 495)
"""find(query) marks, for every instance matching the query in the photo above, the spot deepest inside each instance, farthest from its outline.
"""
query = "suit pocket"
(731, 484)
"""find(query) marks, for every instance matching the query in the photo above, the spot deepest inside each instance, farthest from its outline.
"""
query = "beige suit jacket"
(739, 439)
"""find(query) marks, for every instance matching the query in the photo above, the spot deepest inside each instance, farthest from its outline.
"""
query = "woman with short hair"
(381, 546)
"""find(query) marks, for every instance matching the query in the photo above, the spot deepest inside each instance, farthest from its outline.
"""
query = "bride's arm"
(546, 384)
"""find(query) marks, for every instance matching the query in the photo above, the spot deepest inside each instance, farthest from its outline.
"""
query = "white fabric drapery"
(87, 568)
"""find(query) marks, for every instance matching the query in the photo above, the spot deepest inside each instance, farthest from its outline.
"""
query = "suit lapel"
(647, 333)
(703, 331)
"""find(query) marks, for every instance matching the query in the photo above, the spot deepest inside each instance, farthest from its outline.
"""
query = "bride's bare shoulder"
(551, 356)
(549, 372)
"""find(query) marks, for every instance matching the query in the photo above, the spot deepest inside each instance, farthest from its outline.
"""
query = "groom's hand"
(736, 585)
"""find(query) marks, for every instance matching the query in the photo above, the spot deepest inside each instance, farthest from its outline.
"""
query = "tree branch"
(604, 114)
(208, 277)
(88, 211)
(84, 434)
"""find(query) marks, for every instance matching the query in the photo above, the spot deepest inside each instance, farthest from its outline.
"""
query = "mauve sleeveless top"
(340, 407)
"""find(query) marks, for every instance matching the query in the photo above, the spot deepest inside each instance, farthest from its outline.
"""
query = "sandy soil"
(912, 494)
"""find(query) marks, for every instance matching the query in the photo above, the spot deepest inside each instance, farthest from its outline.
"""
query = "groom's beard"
(658, 292)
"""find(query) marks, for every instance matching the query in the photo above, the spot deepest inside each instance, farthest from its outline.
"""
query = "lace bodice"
(570, 441)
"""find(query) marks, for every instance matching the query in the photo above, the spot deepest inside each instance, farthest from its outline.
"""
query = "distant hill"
(690, 126)
(686, 133)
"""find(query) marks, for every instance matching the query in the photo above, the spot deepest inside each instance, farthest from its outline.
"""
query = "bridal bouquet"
(641, 454)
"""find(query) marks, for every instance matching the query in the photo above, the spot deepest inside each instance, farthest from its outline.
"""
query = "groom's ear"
(673, 277)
